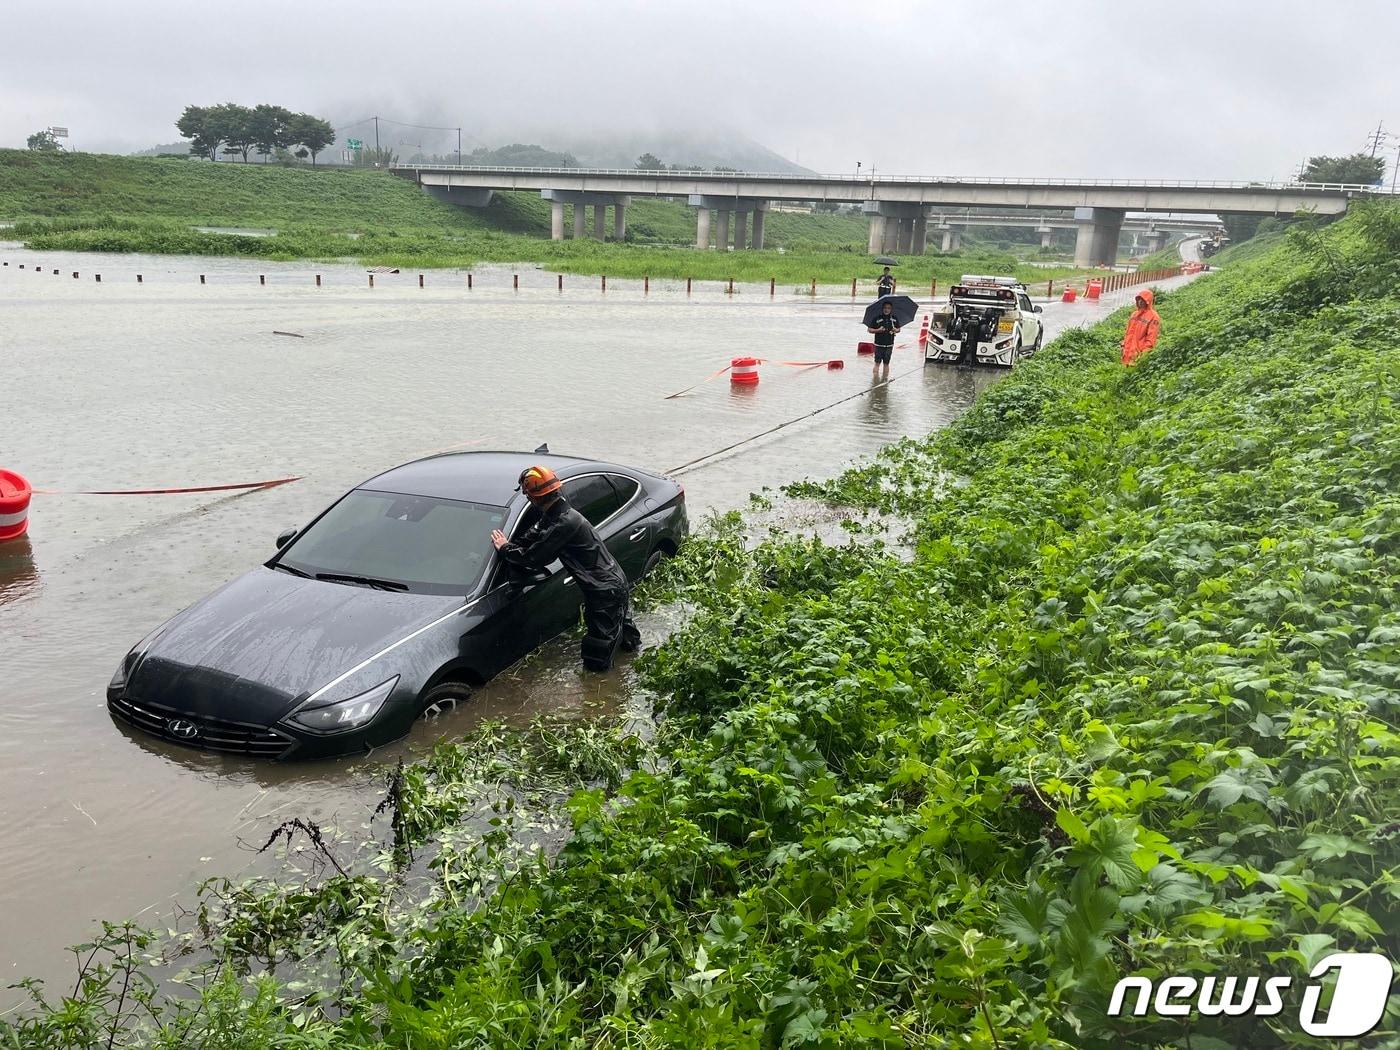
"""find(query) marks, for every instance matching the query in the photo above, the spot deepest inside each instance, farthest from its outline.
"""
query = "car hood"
(252, 650)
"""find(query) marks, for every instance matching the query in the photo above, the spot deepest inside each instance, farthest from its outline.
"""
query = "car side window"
(593, 496)
(1026, 303)
(626, 488)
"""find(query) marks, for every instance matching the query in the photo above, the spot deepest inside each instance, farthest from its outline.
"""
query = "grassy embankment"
(93, 202)
(1131, 707)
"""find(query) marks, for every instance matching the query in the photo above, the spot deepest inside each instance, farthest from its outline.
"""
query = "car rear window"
(593, 496)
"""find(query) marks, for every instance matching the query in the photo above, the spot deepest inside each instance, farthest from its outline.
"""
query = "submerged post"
(318, 280)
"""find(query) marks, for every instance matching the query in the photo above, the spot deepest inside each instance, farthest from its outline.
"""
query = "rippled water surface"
(170, 383)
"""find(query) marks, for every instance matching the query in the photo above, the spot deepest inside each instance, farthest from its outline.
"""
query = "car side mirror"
(286, 536)
(1038, 309)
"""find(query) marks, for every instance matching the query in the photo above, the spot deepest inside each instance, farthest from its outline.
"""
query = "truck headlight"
(345, 714)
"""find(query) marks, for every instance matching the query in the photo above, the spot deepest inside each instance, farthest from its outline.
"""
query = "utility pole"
(1395, 169)
(376, 135)
(459, 147)
(1377, 137)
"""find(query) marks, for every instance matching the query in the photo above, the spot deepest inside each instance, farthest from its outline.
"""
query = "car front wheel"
(444, 698)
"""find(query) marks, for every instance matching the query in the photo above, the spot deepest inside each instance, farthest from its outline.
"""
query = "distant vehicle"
(1212, 243)
(987, 320)
(390, 605)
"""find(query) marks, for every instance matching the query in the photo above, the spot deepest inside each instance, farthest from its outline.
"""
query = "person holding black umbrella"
(884, 326)
(885, 285)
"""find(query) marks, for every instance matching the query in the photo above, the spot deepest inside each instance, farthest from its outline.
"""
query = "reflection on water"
(18, 576)
(195, 388)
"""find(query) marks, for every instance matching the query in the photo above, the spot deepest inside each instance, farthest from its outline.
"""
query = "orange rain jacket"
(1143, 329)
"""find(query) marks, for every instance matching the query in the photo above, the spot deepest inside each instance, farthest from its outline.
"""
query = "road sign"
(354, 143)
(59, 133)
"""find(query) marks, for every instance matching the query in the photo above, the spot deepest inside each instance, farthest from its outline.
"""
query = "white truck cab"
(987, 320)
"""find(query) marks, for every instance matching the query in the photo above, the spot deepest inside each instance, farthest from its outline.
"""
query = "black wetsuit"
(564, 533)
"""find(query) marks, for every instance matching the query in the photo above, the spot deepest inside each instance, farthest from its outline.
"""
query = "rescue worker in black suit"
(564, 533)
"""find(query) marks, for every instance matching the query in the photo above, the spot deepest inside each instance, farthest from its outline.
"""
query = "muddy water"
(173, 383)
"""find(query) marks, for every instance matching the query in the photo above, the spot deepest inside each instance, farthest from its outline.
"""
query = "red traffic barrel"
(1093, 287)
(743, 370)
(1070, 295)
(865, 348)
(14, 505)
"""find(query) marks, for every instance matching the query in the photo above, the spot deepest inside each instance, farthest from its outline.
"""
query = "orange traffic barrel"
(14, 505)
(865, 348)
(1093, 287)
(743, 370)
(1069, 295)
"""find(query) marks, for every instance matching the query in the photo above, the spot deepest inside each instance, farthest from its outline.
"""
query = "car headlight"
(345, 714)
(118, 682)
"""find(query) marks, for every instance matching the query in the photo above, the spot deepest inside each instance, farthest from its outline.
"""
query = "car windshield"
(430, 545)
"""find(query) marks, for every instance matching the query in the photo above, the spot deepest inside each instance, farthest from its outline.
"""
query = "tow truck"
(987, 320)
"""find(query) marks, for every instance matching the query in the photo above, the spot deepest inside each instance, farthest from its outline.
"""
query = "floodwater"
(173, 383)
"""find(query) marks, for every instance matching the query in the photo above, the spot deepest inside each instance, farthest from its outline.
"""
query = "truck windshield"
(428, 544)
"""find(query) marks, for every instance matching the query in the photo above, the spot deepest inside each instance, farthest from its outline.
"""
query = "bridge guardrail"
(980, 180)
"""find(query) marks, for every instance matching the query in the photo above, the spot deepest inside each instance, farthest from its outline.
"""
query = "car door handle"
(638, 534)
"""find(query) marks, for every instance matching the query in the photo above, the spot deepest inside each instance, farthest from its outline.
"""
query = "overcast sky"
(1227, 89)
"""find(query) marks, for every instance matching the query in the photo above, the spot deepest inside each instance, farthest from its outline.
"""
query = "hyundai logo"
(183, 729)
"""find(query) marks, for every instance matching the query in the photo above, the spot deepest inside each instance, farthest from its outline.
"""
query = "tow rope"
(831, 363)
(162, 492)
(787, 423)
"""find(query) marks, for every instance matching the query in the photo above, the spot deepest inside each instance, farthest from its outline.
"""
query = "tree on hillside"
(369, 157)
(235, 126)
(43, 142)
(195, 125)
(312, 133)
(1358, 168)
(650, 162)
(269, 128)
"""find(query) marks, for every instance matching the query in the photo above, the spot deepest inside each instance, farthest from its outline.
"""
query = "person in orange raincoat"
(1143, 328)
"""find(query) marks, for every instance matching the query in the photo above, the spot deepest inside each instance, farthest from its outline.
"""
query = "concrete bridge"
(898, 206)
(1152, 229)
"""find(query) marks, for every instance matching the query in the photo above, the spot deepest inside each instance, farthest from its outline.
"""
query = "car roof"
(482, 477)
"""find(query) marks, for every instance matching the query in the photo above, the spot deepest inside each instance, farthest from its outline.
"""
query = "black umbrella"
(903, 308)
(885, 260)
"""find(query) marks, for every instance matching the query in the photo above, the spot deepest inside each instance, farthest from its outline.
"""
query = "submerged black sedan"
(390, 605)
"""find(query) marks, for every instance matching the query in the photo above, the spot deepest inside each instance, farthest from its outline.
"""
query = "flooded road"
(172, 383)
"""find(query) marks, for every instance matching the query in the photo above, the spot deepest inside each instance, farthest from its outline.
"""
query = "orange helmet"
(536, 482)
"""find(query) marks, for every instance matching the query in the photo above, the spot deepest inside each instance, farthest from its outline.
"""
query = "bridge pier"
(726, 209)
(1156, 240)
(896, 227)
(1096, 243)
(1047, 236)
(581, 202)
(952, 239)
(876, 243)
